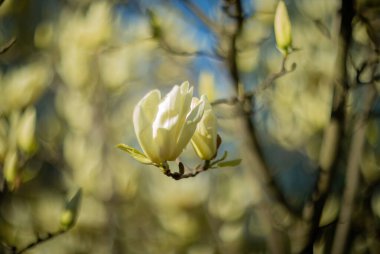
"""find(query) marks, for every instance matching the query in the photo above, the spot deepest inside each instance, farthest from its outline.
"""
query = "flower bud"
(204, 140)
(26, 131)
(70, 213)
(11, 169)
(283, 29)
(3, 139)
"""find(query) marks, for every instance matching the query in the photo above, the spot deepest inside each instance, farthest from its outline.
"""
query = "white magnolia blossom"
(204, 139)
(165, 126)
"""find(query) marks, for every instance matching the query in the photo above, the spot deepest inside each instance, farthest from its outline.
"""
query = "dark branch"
(39, 240)
(332, 146)
(165, 46)
(181, 171)
(8, 45)
(206, 20)
(264, 85)
(353, 174)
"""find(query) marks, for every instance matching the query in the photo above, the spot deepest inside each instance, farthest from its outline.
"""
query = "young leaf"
(231, 163)
(136, 154)
(224, 156)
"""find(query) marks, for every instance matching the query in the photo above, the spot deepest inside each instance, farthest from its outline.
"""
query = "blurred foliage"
(67, 91)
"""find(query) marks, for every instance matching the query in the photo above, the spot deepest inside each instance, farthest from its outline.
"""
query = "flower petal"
(167, 115)
(192, 119)
(166, 144)
(204, 140)
(143, 117)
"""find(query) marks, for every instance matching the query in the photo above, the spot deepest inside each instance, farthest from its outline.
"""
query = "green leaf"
(224, 156)
(231, 163)
(136, 154)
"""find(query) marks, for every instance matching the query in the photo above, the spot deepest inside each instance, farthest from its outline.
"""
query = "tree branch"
(249, 130)
(7, 46)
(255, 156)
(181, 173)
(332, 145)
(264, 85)
(39, 240)
(353, 173)
(206, 20)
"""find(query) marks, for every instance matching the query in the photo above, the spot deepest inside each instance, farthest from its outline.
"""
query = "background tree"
(303, 119)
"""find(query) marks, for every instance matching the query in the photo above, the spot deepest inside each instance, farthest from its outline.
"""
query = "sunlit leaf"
(224, 156)
(231, 163)
(136, 154)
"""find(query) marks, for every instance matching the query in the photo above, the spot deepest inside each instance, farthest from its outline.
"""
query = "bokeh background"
(78, 67)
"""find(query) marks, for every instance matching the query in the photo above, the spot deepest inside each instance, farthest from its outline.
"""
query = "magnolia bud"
(204, 139)
(26, 131)
(70, 213)
(283, 29)
(11, 169)
(3, 139)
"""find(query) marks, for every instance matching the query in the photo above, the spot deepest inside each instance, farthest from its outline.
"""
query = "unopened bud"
(11, 169)
(70, 213)
(26, 131)
(283, 29)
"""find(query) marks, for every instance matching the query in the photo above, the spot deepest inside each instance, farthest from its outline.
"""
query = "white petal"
(192, 119)
(166, 144)
(205, 136)
(185, 86)
(167, 115)
(173, 110)
(202, 146)
(143, 117)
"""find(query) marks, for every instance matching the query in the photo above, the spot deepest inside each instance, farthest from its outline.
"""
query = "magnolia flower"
(283, 28)
(204, 139)
(165, 126)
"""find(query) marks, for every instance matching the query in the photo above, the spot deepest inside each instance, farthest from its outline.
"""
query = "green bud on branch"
(70, 213)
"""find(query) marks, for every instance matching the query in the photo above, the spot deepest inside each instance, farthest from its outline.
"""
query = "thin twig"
(159, 35)
(197, 53)
(7, 46)
(264, 85)
(39, 240)
(181, 172)
(370, 63)
(213, 26)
